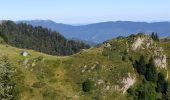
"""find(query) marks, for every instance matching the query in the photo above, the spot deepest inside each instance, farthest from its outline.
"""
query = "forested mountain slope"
(124, 68)
(99, 32)
(39, 39)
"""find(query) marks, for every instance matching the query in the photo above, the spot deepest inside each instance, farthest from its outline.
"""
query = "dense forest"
(40, 39)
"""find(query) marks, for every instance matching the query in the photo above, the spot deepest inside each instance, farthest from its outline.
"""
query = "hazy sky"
(86, 11)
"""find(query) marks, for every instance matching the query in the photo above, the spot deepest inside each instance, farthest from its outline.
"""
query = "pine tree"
(155, 36)
(141, 66)
(151, 74)
(162, 84)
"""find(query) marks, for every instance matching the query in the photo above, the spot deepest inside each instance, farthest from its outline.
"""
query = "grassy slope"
(48, 77)
(62, 76)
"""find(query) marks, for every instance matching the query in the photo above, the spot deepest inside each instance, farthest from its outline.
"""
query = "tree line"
(38, 38)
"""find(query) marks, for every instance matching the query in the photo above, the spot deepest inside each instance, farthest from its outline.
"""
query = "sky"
(85, 11)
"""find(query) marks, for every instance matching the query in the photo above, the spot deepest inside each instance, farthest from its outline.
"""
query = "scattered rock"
(117, 88)
(83, 71)
(33, 64)
(25, 62)
(92, 67)
(85, 66)
(107, 88)
(100, 82)
(76, 96)
(107, 45)
(31, 69)
(24, 53)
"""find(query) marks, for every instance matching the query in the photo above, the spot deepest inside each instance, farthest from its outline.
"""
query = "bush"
(87, 85)
(123, 58)
(162, 84)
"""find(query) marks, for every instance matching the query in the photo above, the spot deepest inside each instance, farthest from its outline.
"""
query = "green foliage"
(6, 74)
(153, 82)
(123, 58)
(4, 37)
(131, 91)
(140, 65)
(87, 85)
(58, 78)
(162, 84)
(145, 91)
(155, 36)
(39, 39)
(151, 73)
(125, 55)
(148, 70)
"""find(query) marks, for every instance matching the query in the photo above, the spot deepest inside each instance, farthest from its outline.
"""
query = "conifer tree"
(151, 74)
(141, 66)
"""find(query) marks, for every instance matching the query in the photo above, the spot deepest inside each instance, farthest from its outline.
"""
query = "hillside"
(99, 32)
(39, 39)
(105, 72)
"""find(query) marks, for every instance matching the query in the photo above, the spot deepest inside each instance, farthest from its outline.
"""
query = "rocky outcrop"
(142, 42)
(128, 82)
(157, 52)
(160, 58)
(160, 62)
(137, 43)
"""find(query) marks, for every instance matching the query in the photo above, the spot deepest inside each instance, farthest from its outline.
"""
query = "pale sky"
(85, 11)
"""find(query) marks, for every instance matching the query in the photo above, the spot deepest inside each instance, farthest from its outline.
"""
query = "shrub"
(87, 85)
(123, 58)
(162, 84)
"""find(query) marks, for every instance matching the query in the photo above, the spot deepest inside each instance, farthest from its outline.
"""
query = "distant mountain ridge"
(99, 32)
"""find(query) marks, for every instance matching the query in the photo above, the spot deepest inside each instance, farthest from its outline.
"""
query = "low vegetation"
(123, 68)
